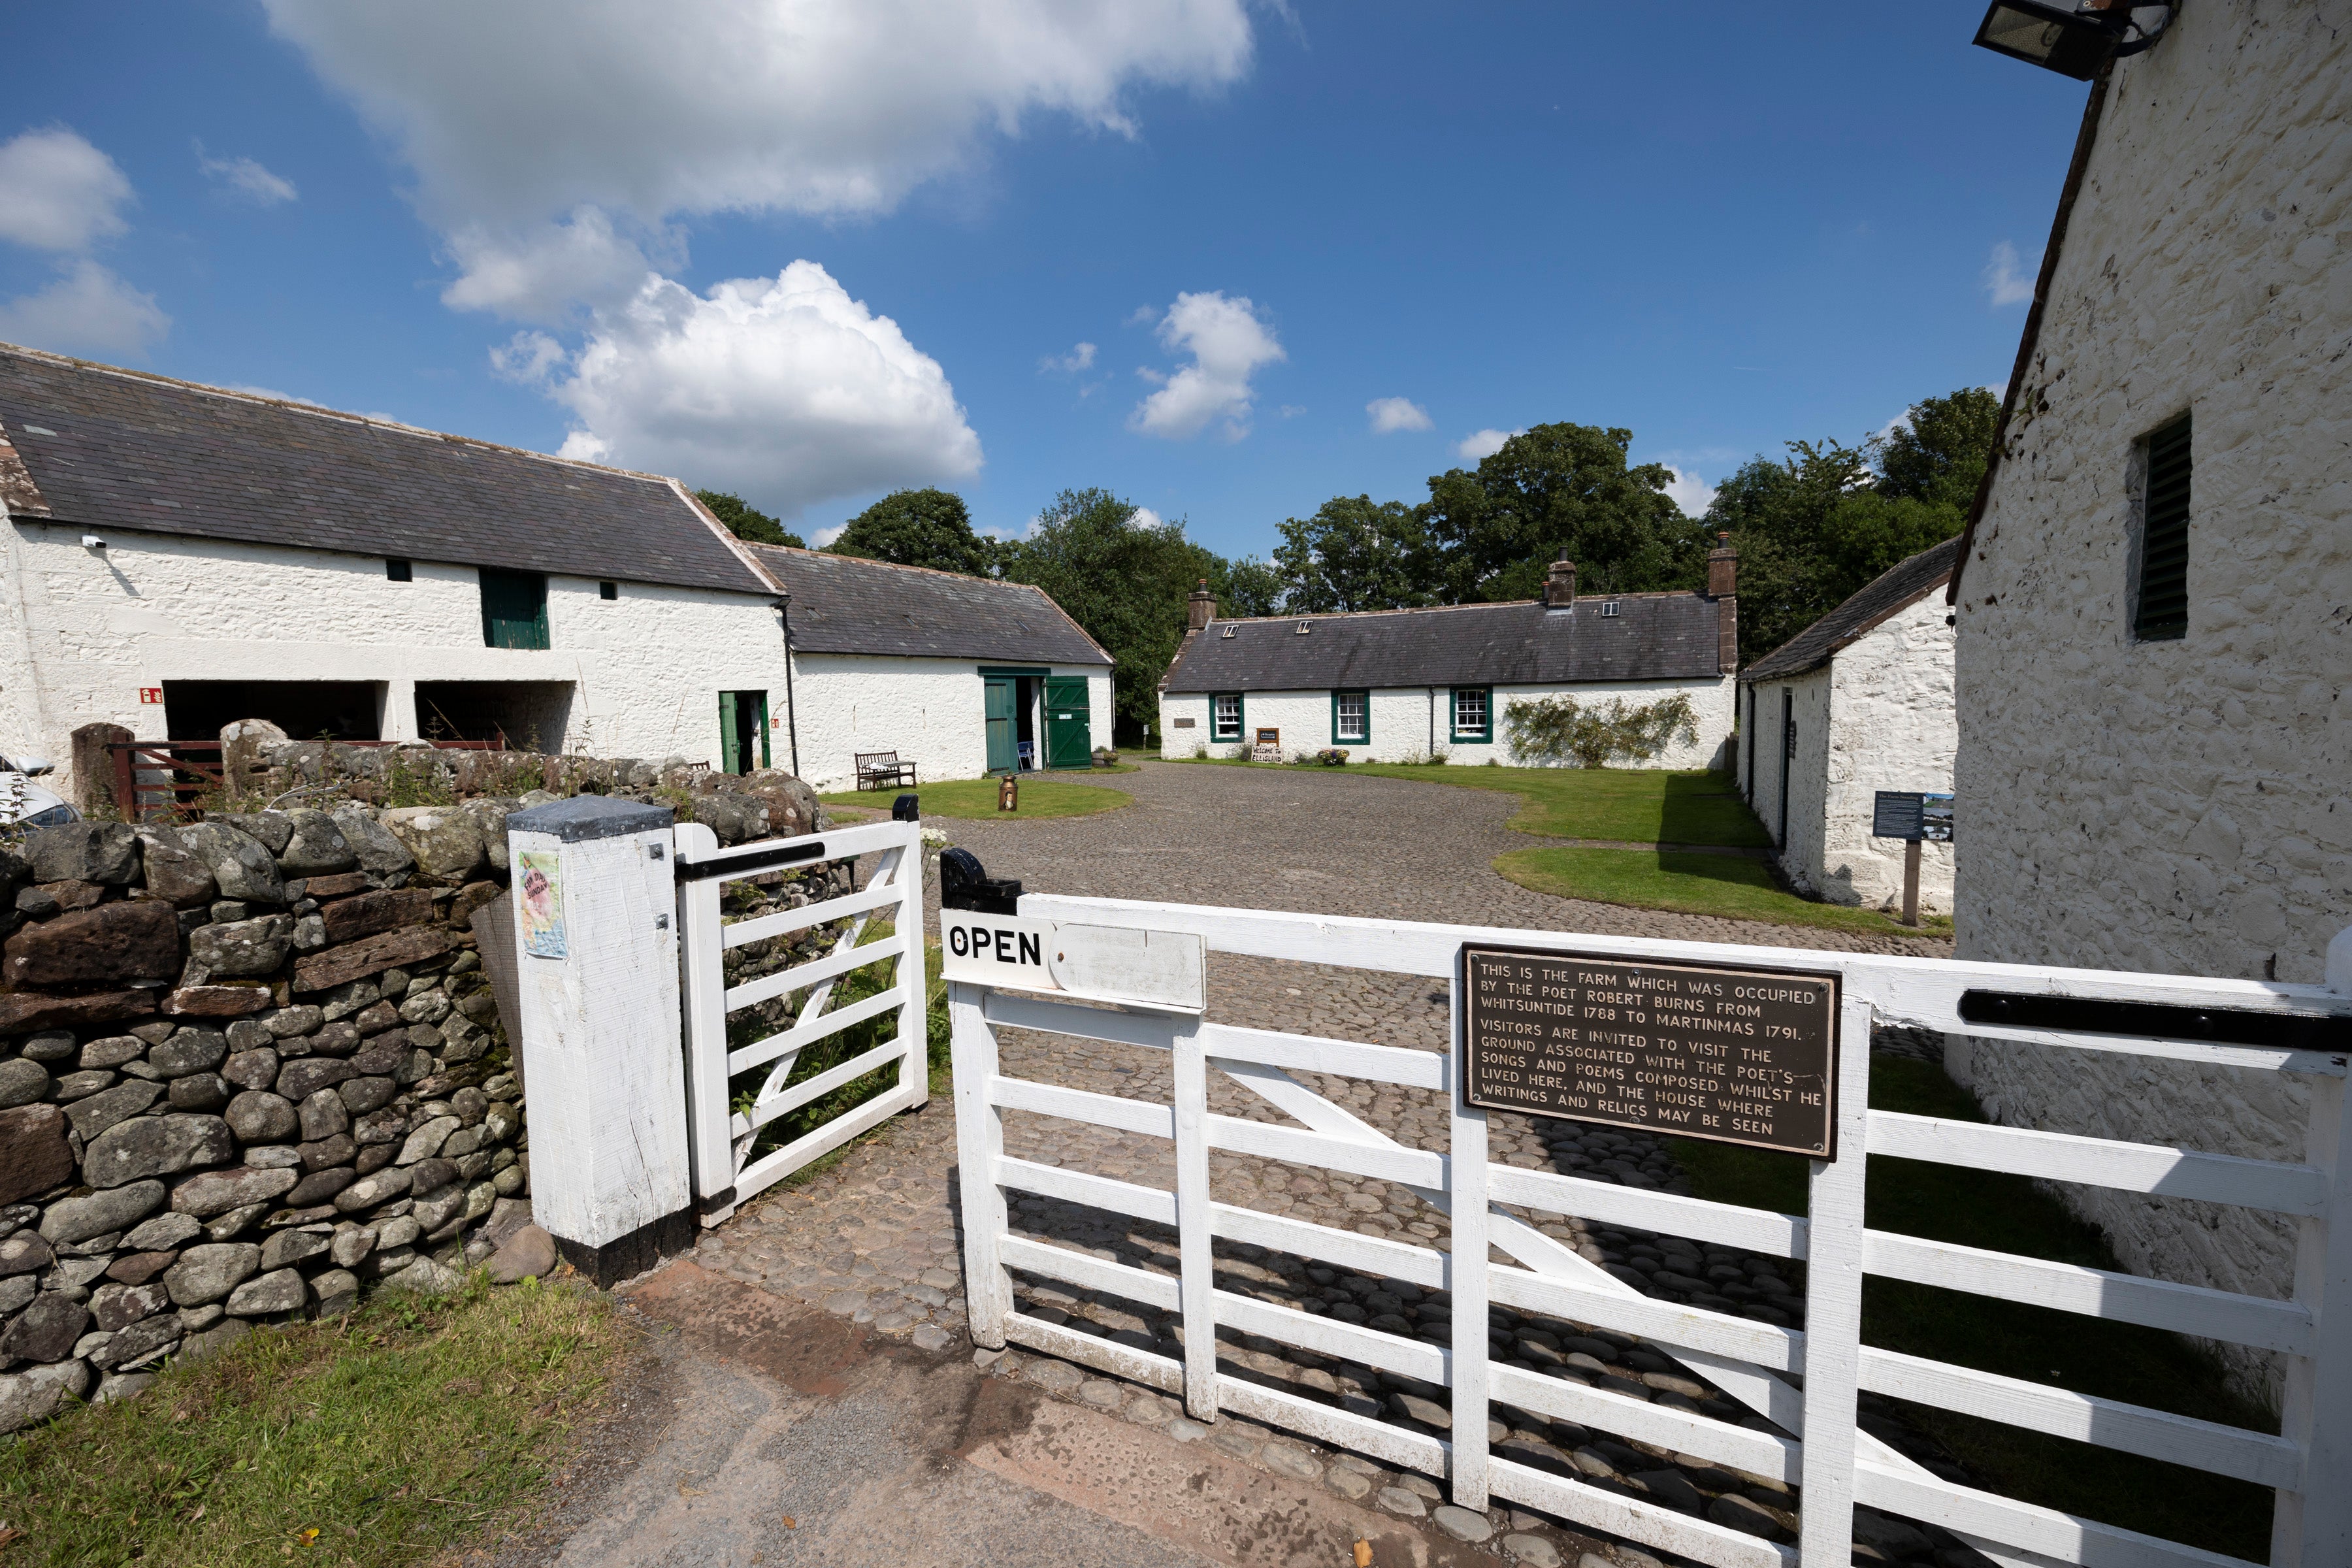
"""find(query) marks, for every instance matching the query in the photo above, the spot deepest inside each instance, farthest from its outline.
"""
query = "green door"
(1002, 756)
(1069, 743)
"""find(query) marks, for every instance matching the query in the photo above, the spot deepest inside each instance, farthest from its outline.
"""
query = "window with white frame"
(1351, 718)
(1473, 713)
(1225, 716)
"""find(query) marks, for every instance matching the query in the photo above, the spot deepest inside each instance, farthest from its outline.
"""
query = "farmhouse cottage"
(2155, 601)
(1393, 685)
(1857, 703)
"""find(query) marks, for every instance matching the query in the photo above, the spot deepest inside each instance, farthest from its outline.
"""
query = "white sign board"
(1099, 964)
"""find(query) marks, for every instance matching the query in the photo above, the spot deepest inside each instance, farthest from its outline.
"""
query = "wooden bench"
(883, 770)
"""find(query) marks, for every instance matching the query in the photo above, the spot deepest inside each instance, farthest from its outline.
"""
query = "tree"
(918, 528)
(1126, 583)
(1247, 587)
(1554, 490)
(745, 521)
(1938, 454)
(1356, 554)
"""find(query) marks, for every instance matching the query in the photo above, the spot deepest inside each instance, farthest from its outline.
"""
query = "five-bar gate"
(1805, 1383)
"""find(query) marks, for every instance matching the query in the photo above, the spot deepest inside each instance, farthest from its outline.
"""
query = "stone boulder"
(240, 863)
(22, 1082)
(736, 818)
(489, 813)
(111, 945)
(38, 1393)
(446, 841)
(175, 873)
(791, 804)
(243, 948)
(190, 1050)
(216, 1192)
(70, 1220)
(366, 914)
(95, 1114)
(104, 852)
(208, 1273)
(268, 1295)
(380, 853)
(34, 1155)
(271, 829)
(316, 846)
(47, 1330)
(24, 1253)
(148, 1147)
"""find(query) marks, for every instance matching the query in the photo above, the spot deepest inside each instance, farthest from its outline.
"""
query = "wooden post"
(980, 1142)
(2313, 1526)
(1195, 1262)
(1833, 1304)
(1911, 882)
(709, 1117)
(1466, 1173)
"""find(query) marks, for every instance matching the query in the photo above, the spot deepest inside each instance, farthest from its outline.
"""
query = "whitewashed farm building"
(1857, 703)
(2155, 602)
(1390, 684)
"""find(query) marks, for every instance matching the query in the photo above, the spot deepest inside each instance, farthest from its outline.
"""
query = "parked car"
(23, 803)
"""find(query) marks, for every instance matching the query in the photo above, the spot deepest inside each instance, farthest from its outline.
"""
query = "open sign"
(1101, 964)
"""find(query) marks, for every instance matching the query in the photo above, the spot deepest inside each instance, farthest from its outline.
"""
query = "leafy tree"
(1938, 454)
(918, 528)
(1247, 587)
(746, 522)
(1125, 582)
(1357, 555)
(1559, 489)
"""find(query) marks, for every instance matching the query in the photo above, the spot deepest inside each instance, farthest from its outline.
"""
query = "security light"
(92, 542)
(2071, 39)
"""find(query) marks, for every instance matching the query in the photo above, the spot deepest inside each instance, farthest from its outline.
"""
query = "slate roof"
(1654, 637)
(844, 604)
(118, 448)
(1897, 588)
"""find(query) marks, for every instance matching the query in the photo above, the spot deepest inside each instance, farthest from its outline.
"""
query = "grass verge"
(1693, 884)
(2035, 1344)
(399, 1432)
(1042, 794)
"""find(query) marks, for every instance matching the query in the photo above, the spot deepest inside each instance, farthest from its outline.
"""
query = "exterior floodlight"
(2073, 41)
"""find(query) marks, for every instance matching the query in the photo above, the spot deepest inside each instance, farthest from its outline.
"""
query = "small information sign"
(1921, 817)
(1737, 1056)
(1102, 963)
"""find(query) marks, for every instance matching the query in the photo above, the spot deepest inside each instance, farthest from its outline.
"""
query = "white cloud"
(2005, 280)
(516, 113)
(784, 390)
(87, 309)
(1228, 343)
(551, 272)
(246, 179)
(1144, 517)
(1080, 358)
(1690, 492)
(60, 193)
(1482, 444)
(530, 359)
(1391, 413)
(824, 537)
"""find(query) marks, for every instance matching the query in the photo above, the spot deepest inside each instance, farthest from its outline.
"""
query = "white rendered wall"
(2175, 806)
(81, 631)
(1892, 727)
(1800, 854)
(931, 712)
(1404, 719)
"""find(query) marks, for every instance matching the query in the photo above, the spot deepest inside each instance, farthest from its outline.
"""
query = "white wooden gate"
(728, 1165)
(1805, 1383)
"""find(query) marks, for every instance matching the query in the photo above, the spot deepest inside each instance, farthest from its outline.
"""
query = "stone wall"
(2175, 806)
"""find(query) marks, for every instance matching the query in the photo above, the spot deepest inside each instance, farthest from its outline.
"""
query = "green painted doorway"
(1002, 756)
(742, 730)
(1069, 738)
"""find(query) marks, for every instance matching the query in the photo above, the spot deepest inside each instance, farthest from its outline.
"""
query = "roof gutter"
(2030, 339)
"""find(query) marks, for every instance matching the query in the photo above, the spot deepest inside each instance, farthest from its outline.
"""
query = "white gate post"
(1833, 1304)
(1466, 1170)
(1195, 1260)
(703, 989)
(913, 983)
(980, 1141)
(596, 956)
(2312, 1525)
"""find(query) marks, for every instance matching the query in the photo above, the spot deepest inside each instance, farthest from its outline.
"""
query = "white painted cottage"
(178, 556)
(1858, 702)
(959, 676)
(1391, 686)
(2155, 601)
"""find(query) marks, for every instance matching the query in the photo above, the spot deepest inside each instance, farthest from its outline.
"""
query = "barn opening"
(522, 715)
(305, 709)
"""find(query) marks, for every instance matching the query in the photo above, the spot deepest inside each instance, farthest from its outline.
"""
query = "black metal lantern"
(2074, 41)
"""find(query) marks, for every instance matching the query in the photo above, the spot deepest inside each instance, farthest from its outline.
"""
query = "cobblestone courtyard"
(875, 1236)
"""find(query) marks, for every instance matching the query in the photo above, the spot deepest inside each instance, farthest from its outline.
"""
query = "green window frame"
(514, 609)
(1217, 731)
(1360, 704)
(1482, 696)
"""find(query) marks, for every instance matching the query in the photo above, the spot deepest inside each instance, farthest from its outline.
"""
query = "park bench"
(883, 770)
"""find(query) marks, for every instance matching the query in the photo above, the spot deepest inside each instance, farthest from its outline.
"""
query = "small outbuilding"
(1859, 701)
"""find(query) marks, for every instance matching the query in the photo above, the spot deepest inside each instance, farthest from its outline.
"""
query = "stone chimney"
(1560, 588)
(1200, 609)
(1722, 568)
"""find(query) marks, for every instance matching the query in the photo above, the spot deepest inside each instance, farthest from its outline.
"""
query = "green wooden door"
(1069, 739)
(1002, 756)
(514, 609)
(729, 743)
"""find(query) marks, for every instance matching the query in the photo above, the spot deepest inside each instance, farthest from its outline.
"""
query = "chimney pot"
(1200, 609)
(1559, 587)
(1722, 568)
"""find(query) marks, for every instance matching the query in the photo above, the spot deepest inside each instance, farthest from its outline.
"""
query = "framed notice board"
(1737, 1056)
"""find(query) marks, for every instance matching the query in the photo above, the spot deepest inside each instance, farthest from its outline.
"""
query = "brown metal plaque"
(1738, 1056)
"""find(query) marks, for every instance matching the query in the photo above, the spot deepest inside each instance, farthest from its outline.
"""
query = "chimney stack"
(1722, 568)
(1200, 609)
(1560, 588)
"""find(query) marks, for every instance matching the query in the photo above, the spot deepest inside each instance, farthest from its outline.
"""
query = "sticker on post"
(539, 874)
(1099, 963)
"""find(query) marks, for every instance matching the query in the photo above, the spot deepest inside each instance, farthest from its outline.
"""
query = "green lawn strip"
(411, 1427)
(1042, 794)
(2035, 1344)
(1730, 886)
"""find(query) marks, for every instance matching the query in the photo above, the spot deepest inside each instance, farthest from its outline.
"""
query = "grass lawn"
(2035, 1344)
(390, 1437)
(1042, 794)
(1697, 884)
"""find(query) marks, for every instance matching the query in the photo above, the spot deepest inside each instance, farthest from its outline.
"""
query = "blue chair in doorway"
(1028, 750)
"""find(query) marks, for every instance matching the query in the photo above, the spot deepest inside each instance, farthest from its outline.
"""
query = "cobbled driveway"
(875, 1238)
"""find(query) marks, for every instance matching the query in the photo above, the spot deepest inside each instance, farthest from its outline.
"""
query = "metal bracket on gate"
(2158, 1020)
(791, 854)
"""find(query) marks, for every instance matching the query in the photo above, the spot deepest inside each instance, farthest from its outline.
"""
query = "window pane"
(1351, 715)
(1470, 712)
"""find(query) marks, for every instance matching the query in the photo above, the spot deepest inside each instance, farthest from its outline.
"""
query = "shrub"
(1562, 730)
(1332, 757)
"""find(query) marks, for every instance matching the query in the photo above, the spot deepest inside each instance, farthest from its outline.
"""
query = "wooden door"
(1069, 736)
(1003, 756)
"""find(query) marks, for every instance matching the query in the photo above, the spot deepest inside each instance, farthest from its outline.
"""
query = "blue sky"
(1721, 226)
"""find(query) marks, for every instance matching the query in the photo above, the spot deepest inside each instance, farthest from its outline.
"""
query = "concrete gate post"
(595, 913)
